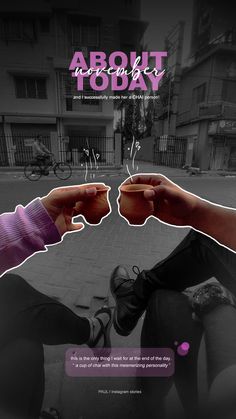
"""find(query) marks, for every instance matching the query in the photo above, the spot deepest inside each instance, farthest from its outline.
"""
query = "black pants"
(196, 259)
(43, 161)
(29, 319)
(169, 320)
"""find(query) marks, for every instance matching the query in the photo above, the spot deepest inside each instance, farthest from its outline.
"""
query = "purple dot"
(183, 349)
(185, 346)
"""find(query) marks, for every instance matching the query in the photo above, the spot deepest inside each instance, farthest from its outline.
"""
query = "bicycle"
(34, 170)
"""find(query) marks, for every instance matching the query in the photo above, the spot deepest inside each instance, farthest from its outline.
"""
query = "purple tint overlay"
(122, 362)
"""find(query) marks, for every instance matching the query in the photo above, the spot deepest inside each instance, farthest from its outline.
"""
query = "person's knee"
(164, 304)
(10, 278)
(9, 283)
(165, 312)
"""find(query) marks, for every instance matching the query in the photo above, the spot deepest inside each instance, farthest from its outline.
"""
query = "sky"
(162, 16)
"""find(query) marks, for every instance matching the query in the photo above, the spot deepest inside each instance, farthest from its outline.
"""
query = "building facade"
(207, 102)
(37, 43)
(204, 111)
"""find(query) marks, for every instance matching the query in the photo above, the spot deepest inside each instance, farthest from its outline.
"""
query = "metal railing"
(95, 152)
(170, 151)
(16, 149)
(227, 38)
(90, 151)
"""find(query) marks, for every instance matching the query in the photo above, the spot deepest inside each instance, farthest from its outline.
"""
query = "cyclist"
(41, 154)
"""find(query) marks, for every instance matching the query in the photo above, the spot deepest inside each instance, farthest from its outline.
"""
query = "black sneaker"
(129, 308)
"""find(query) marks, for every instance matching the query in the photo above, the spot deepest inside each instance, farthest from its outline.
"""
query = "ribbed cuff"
(38, 215)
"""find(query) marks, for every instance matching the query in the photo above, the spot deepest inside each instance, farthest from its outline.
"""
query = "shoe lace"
(131, 280)
(136, 270)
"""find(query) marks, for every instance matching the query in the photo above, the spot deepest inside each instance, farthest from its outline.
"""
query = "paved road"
(82, 264)
(15, 189)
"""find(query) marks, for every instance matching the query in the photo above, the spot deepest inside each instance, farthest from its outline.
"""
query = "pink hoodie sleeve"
(26, 231)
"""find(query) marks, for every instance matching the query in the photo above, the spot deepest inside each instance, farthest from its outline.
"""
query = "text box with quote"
(122, 362)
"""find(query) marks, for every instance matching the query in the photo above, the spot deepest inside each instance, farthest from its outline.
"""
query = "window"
(30, 88)
(127, 48)
(90, 92)
(69, 90)
(68, 84)
(44, 25)
(69, 104)
(85, 33)
(204, 21)
(19, 29)
(229, 91)
(199, 94)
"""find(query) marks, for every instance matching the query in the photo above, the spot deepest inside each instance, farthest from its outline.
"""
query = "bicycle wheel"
(32, 171)
(62, 171)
